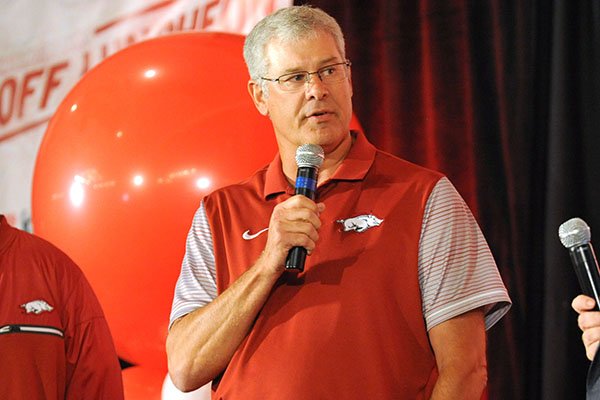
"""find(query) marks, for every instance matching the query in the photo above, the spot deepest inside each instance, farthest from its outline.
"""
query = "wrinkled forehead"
(284, 50)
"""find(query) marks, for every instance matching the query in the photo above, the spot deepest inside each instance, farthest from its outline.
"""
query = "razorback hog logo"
(37, 307)
(360, 223)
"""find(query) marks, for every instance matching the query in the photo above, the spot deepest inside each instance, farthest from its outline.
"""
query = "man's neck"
(332, 161)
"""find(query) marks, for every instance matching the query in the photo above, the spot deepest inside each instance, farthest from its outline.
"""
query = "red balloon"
(125, 161)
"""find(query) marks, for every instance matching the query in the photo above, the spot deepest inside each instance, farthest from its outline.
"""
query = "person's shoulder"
(397, 167)
(252, 184)
(44, 253)
(33, 243)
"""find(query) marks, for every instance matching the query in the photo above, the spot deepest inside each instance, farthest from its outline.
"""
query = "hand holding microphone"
(309, 158)
(576, 235)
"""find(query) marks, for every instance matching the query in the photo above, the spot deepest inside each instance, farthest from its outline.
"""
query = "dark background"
(503, 96)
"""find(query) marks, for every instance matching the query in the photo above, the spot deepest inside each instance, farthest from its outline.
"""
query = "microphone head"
(309, 155)
(574, 232)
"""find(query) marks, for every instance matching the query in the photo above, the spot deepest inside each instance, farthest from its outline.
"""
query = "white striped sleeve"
(457, 272)
(197, 285)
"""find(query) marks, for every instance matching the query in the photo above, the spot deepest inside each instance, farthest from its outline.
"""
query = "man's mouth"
(317, 113)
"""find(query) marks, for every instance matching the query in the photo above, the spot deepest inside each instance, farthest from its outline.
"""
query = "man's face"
(317, 113)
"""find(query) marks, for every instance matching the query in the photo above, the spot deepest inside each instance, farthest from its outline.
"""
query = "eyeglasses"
(296, 80)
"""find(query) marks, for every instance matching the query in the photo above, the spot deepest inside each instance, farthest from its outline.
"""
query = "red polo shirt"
(351, 325)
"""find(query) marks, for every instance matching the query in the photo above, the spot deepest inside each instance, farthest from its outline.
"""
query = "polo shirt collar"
(354, 167)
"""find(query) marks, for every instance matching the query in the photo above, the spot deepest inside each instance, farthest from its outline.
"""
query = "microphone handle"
(586, 269)
(306, 184)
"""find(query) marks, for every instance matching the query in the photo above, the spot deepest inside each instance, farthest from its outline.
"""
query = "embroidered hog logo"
(360, 223)
(37, 307)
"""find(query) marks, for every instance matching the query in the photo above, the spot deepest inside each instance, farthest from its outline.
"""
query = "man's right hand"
(294, 222)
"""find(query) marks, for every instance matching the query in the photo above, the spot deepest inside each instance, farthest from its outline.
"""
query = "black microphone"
(309, 158)
(575, 235)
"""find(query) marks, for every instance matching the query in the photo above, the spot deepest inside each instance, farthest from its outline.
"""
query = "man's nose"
(315, 86)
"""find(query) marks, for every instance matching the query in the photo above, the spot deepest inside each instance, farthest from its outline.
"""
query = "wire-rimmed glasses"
(293, 81)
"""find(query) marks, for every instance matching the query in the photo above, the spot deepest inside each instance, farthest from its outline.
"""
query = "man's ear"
(259, 97)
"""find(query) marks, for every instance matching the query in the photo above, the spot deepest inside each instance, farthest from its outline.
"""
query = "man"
(54, 340)
(589, 323)
(395, 311)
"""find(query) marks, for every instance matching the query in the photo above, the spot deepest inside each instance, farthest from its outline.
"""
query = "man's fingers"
(582, 303)
(294, 222)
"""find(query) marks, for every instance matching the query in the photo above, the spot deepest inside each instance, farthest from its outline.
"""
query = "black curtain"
(503, 96)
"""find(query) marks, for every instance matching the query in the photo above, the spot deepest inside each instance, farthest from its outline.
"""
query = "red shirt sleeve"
(93, 369)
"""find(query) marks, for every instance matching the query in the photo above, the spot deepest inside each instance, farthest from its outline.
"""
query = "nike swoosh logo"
(247, 236)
